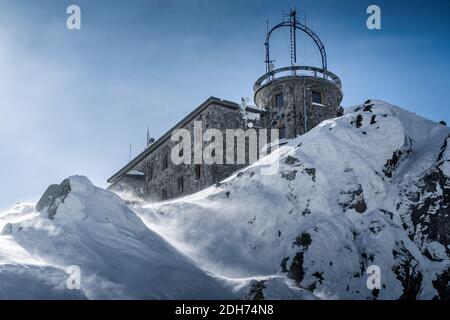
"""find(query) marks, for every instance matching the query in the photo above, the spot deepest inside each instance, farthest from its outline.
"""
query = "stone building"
(291, 99)
(153, 176)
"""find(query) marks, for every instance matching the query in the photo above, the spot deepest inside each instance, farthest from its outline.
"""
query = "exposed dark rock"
(390, 214)
(304, 240)
(442, 285)
(53, 197)
(373, 119)
(256, 291)
(431, 256)
(443, 148)
(296, 270)
(289, 175)
(368, 108)
(375, 227)
(430, 210)
(319, 276)
(311, 172)
(408, 273)
(443, 123)
(398, 155)
(356, 200)
(227, 194)
(292, 161)
(283, 264)
(307, 210)
(359, 120)
(375, 292)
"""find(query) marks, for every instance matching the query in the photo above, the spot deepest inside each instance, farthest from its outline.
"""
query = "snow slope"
(118, 256)
(369, 188)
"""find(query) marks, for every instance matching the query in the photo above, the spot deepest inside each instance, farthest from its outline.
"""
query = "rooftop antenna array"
(292, 22)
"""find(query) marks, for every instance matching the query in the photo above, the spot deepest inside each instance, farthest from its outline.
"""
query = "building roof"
(210, 101)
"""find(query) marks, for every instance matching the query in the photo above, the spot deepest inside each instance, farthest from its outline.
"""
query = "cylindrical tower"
(297, 98)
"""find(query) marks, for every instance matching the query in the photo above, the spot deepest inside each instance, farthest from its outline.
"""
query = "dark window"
(180, 184)
(279, 101)
(316, 97)
(198, 172)
(165, 162)
(150, 173)
(164, 194)
(282, 132)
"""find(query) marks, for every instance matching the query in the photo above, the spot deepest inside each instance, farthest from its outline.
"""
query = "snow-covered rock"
(93, 229)
(368, 188)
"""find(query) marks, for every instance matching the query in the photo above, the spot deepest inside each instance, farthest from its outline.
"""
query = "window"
(149, 173)
(317, 97)
(282, 132)
(279, 101)
(180, 184)
(164, 194)
(165, 162)
(198, 172)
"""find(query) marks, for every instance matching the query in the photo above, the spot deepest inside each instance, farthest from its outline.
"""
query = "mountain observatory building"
(292, 99)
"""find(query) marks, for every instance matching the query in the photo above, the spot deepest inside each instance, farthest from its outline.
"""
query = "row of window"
(197, 170)
(317, 97)
(180, 184)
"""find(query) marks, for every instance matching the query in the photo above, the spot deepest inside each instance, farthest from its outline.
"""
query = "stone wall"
(162, 182)
(130, 184)
(297, 94)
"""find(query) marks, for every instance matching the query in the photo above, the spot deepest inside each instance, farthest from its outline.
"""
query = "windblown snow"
(371, 188)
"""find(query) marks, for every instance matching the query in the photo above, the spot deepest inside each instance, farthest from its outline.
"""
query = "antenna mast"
(293, 27)
(130, 153)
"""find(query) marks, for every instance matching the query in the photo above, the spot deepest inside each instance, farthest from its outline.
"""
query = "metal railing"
(297, 71)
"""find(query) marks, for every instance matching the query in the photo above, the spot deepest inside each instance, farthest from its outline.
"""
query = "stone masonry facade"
(296, 95)
(155, 177)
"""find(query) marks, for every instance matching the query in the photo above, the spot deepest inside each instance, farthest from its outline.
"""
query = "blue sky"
(71, 101)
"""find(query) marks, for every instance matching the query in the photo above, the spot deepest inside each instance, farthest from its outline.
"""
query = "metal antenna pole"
(130, 152)
(293, 23)
(293, 28)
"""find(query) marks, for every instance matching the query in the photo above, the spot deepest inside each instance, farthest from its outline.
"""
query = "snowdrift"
(371, 188)
(93, 229)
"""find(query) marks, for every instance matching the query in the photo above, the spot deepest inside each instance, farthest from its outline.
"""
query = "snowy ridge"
(369, 188)
(340, 202)
(118, 256)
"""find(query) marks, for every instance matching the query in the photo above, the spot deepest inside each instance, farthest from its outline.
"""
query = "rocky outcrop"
(53, 197)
